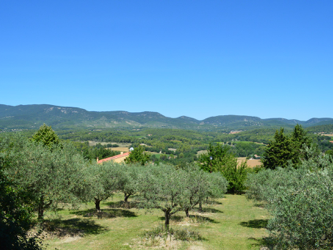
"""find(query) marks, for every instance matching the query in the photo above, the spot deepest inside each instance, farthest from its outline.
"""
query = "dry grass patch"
(120, 149)
(202, 152)
(251, 163)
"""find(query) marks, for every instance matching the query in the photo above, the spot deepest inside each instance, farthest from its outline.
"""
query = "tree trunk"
(41, 208)
(187, 213)
(126, 196)
(167, 219)
(97, 205)
(200, 206)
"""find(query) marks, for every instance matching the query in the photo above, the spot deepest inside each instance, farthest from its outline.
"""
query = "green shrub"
(300, 202)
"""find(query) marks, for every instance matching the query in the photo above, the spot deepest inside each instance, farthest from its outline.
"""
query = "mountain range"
(33, 116)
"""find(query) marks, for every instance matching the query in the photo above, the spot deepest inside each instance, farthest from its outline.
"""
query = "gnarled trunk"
(126, 196)
(41, 208)
(187, 212)
(167, 216)
(97, 205)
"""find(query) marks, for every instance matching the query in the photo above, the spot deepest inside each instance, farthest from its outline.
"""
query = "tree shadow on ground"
(207, 210)
(174, 218)
(260, 205)
(214, 202)
(254, 223)
(72, 227)
(193, 218)
(201, 219)
(105, 213)
(122, 204)
(262, 242)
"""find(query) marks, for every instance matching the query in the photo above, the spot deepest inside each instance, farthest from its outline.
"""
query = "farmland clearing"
(250, 162)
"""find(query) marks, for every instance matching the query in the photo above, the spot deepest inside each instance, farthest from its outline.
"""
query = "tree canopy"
(286, 149)
(46, 136)
(138, 156)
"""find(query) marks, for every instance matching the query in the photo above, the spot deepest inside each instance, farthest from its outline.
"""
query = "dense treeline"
(176, 146)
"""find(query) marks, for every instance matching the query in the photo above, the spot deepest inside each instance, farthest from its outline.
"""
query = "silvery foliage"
(200, 185)
(172, 190)
(51, 177)
(300, 202)
(163, 187)
(129, 179)
(103, 180)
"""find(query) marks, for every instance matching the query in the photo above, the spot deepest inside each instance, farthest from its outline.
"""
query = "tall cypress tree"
(279, 151)
(286, 149)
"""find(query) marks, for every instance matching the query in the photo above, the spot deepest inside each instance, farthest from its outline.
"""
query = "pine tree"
(46, 135)
(286, 149)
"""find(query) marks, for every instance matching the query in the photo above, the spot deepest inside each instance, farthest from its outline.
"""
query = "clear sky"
(195, 58)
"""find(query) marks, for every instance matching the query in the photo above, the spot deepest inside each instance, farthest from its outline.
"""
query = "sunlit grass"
(229, 223)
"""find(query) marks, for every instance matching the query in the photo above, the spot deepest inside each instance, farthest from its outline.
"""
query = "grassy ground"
(229, 223)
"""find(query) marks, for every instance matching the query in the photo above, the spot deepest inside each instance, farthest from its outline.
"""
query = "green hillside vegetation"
(187, 143)
(33, 116)
(66, 196)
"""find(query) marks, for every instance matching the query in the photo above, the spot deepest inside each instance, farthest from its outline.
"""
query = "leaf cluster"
(300, 202)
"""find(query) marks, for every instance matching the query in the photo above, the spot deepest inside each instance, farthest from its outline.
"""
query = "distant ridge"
(33, 116)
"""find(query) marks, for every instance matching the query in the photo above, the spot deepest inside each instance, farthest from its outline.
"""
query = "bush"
(235, 175)
(300, 202)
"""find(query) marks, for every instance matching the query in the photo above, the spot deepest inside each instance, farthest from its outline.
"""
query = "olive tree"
(15, 215)
(163, 187)
(196, 188)
(104, 180)
(200, 185)
(300, 202)
(49, 176)
(129, 179)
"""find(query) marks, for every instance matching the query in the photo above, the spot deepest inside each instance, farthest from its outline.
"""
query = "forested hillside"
(33, 116)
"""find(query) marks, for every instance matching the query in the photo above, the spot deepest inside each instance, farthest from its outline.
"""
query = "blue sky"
(193, 58)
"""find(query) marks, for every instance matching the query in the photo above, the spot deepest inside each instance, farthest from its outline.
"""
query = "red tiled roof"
(113, 157)
(331, 141)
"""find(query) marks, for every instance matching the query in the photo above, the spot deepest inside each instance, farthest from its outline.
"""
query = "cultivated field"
(229, 223)
(120, 149)
(202, 152)
(251, 163)
(121, 144)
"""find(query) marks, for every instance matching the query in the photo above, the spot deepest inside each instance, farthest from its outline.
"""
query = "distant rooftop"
(114, 157)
